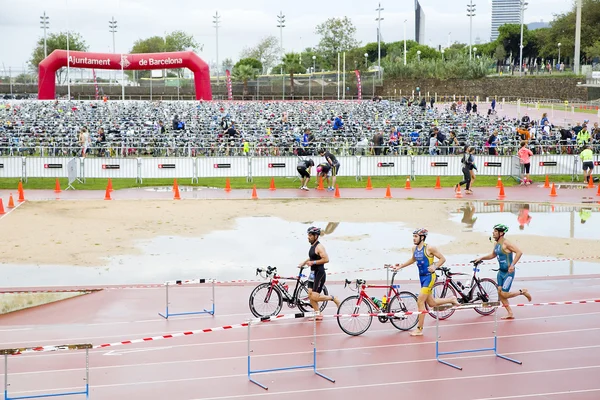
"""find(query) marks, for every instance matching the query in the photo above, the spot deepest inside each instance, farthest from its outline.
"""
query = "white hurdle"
(168, 314)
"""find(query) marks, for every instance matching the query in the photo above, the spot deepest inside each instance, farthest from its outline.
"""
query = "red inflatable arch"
(78, 59)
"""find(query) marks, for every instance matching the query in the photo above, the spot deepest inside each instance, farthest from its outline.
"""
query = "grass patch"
(263, 183)
(10, 302)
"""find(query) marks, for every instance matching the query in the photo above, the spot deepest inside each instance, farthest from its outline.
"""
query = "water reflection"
(576, 222)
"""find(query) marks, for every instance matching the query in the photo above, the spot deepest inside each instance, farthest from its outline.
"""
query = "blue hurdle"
(168, 314)
(313, 365)
(12, 352)
(439, 353)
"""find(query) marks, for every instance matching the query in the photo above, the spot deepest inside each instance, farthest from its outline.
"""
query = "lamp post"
(470, 14)
(559, 54)
(45, 25)
(112, 28)
(405, 41)
(576, 58)
(442, 54)
(523, 6)
(419, 55)
(216, 22)
(281, 25)
(378, 19)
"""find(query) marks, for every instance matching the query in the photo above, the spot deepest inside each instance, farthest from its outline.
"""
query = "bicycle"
(279, 292)
(399, 302)
(483, 290)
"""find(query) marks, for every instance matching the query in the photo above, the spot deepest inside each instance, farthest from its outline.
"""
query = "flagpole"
(68, 57)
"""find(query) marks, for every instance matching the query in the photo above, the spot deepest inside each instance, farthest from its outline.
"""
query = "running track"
(558, 345)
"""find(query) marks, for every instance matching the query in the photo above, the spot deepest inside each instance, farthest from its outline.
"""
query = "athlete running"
(424, 255)
(503, 251)
(317, 258)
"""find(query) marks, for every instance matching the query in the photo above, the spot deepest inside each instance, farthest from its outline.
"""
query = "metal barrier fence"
(193, 168)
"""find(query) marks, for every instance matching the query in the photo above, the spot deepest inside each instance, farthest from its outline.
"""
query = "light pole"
(216, 22)
(419, 55)
(45, 25)
(379, 19)
(523, 6)
(442, 55)
(314, 58)
(366, 60)
(281, 25)
(112, 28)
(559, 54)
(577, 38)
(405, 41)
(470, 14)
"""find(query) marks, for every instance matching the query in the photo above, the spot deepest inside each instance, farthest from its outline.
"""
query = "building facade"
(504, 12)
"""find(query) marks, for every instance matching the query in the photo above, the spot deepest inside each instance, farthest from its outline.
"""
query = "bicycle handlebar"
(446, 269)
(268, 271)
(357, 282)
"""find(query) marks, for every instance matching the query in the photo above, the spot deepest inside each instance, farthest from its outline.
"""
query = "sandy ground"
(10, 302)
(82, 233)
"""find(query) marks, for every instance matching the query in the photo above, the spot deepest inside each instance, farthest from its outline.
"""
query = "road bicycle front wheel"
(265, 300)
(354, 326)
(304, 302)
(401, 303)
(487, 292)
(439, 292)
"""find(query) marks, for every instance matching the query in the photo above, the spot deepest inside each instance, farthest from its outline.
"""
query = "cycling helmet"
(421, 232)
(321, 151)
(310, 162)
(319, 169)
(313, 230)
(501, 228)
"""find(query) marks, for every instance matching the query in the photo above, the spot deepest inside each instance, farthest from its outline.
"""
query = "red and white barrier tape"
(273, 318)
(238, 281)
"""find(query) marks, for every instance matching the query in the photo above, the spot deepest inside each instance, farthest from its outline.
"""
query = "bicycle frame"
(475, 284)
(275, 282)
(390, 293)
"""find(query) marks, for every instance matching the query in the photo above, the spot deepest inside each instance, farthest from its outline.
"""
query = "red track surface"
(558, 345)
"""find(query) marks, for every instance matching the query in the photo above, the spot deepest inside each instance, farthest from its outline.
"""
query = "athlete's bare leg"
(315, 298)
(504, 296)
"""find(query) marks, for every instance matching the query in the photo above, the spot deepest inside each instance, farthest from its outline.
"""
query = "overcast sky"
(243, 22)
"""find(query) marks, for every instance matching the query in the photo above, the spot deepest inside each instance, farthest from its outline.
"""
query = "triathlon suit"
(316, 279)
(505, 260)
(424, 260)
(335, 164)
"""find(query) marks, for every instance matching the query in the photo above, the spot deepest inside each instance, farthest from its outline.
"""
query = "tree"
(252, 62)
(243, 73)
(174, 41)
(266, 51)
(337, 35)
(291, 65)
(593, 51)
(56, 41)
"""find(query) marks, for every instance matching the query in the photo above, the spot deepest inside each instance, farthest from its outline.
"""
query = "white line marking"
(521, 396)
(11, 210)
(380, 331)
(97, 387)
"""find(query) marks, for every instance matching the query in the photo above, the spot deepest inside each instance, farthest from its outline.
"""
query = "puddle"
(263, 241)
(181, 189)
(530, 219)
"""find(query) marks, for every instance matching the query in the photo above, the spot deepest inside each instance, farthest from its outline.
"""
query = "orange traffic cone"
(21, 192)
(553, 191)
(2, 207)
(501, 195)
(272, 187)
(57, 186)
(499, 182)
(457, 192)
(591, 182)
(176, 196)
(407, 186)
(502, 206)
(320, 187)
(254, 195)
(107, 194)
(337, 192)
(369, 186)
(110, 184)
(227, 185)
(547, 183)
(597, 194)
(552, 207)
(11, 202)
(438, 184)
(388, 192)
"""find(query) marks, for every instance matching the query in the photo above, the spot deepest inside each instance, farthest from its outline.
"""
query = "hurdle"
(314, 355)
(168, 314)
(439, 353)
(19, 351)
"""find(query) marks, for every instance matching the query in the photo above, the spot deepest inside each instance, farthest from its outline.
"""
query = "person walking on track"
(317, 258)
(508, 256)
(424, 255)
